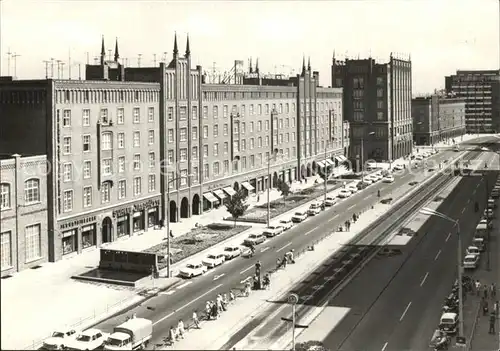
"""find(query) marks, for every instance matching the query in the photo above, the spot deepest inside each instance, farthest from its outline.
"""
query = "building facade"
(377, 104)
(481, 91)
(23, 213)
(437, 118)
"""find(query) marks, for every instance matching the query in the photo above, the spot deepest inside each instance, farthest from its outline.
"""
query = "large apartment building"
(481, 91)
(377, 104)
(132, 147)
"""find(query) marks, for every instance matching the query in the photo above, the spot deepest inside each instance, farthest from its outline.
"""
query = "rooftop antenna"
(87, 54)
(15, 56)
(79, 71)
(9, 53)
(69, 64)
(46, 68)
(164, 57)
(125, 61)
(139, 60)
(52, 67)
(154, 59)
(58, 69)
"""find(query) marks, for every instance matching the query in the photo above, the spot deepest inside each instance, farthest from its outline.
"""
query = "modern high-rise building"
(481, 91)
(132, 147)
(377, 104)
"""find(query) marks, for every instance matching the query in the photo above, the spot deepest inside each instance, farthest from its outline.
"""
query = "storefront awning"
(210, 197)
(220, 194)
(230, 191)
(343, 158)
(321, 163)
(330, 162)
(247, 186)
(339, 159)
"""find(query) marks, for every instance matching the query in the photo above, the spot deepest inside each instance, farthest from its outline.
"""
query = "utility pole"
(9, 53)
(79, 72)
(69, 64)
(52, 67)
(46, 69)
(87, 53)
(15, 56)
(139, 60)
(165, 56)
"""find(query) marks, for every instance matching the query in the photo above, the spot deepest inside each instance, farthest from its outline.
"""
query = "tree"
(236, 205)
(283, 188)
(312, 345)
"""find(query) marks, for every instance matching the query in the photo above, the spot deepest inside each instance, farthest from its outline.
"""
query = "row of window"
(31, 193)
(107, 141)
(105, 116)
(32, 245)
(103, 96)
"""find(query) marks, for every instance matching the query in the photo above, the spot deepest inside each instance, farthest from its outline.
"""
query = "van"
(481, 229)
(479, 243)
(491, 204)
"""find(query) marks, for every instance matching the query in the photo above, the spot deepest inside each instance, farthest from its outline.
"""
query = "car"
(489, 213)
(344, 193)
(388, 179)
(214, 260)
(314, 209)
(377, 176)
(90, 339)
(254, 239)
(471, 261)
(479, 243)
(330, 201)
(365, 182)
(59, 339)
(273, 230)
(193, 270)
(448, 322)
(456, 148)
(299, 216)
(353, 188)
(485, 149)
(473, 250)
(495, 194)
(419, 157)
(231, 252)
(286, 223)
(246, 252)
(398, 167)
(486, 222)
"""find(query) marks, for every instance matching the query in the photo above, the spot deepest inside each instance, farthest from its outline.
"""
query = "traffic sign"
(293, 299)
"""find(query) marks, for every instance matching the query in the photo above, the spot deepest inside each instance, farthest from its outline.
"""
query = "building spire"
(257, 65)
(103, 51)
(176, 50)
(188, 50)
(309, 63)
(333, 57)
(250, 66)
(117, 55)
(303, 65)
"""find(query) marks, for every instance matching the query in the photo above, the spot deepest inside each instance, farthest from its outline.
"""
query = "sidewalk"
(78, 301)
(476, 324)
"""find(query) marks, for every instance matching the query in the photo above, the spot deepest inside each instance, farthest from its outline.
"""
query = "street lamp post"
(272, 156)
(168, 218)
(326, 171)
(431, 212)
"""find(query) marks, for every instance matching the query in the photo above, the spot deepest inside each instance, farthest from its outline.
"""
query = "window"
(137, 162)
(206, 171)
(267, 109)
(107, 141)
(31, 191)
(380, 92)
(87, 169)
(4, 196)
(137, 139)
(105, 192)
(226, 147)
(170, 157)
(259, 126)
(104, 116)
(6, 249)
(250, 110)
(243, 127)
(121, 164)
(170, 113)
(215, 168)
(216, 111)
(251, 127)
(267, 125)
(107, 167)
(216, 149)
(216, 130)
(194, 133)
(120, 115)
(137, 186)
(183, 155)
(67, 172)
(252, 143)
(225, 129)
(380, 104)
(68, 201)
(151, 137)
(358, 104)
(242, 110)
(151, 183)
(85, 117)
(184, 176)
(205, 111)
(182, 112)
(205, 132)
(152, 160)
(67, 118)
(151, 114)
(121, 140)
(195, 175)
(259, 109)
(259, 142)
(194, 112)
(236, 146)
(122, 189)
(194, 153)
(243, 144)
(66, 145)
(32, 243)
(267, 140)
(380, 116)
(170, 135)
(358, 115)
(380, 81)
(236, 128)
(205, 151)
(136, 115)
(224, 111)
(87, 196)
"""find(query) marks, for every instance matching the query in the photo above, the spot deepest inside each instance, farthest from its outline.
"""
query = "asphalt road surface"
(165, 310)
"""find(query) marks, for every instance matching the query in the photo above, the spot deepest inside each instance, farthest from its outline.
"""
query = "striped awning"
(330, 162)
(343, 158)
(230, 191)
(339, 159)
(321, 163)
(210, 197)
(220, 194)
(247, 186)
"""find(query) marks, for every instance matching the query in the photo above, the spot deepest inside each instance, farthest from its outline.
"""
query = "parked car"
(352, 188)
(193, 270)
(214, 260)
(273, 230)
(471, 261)
(231, 252)
(388, 179)
(419, 157)
(479, 243)
(314, 209)
(456, 148)
(376, 177)
(330, 201)
(246, 252)
(344, 193)
(398, 167)
(448, 323)
(59, 339)
(254, 239)
(286, 223)
(486, 222)
(90, 339)
(299, 216)
(473, 250)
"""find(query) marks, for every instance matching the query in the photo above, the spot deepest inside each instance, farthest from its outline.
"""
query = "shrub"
(219, 226)
(307, 191)
(413, 183)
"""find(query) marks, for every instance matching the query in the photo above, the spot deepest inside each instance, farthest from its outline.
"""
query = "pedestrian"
(496, 308)
(485, 307)
(171, 234)
(196, 321)
(208, 310)
(180, 328)
(354, 217)
(258, 198)
(485, 292)
(478, 287)
(492, 323)
(231, 296)
(173, 335)
(493, 290)
(224, 299)
(215, 312)
(285, 261)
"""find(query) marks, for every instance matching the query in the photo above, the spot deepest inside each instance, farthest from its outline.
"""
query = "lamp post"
(363, 155)
(326, 169)
(168, 217)
(293, 299)
(431, 212)
(272, 156)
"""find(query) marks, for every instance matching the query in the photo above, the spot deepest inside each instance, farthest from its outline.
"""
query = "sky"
(440, 35)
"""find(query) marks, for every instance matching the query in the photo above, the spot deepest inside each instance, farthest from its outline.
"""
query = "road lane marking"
(333, 218)
(246, 269)
(463, 210)
(425, 277)
(404, 313)
(186, 305)
(309, 232)
(350, 207)
(385, 345)
(437, 256)
(184, 285)
(284, 247)
(219, 276)
(167, 292)
(448, 237)
(245, 280)
(265, 249)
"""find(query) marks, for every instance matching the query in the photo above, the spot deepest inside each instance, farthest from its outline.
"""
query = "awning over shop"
(210, 197)
(220, 194)
(343, 158)
(321, 163)
(339, 159)
(330, 162)
(230, 191)
(247, 186)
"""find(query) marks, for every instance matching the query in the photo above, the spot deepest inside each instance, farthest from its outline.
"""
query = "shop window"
(6, 249)
(32, 243)
(69, 242)
(88, 236)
